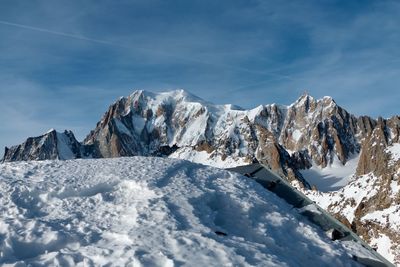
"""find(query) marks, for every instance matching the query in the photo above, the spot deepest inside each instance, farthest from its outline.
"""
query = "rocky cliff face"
(370, 203)
(374, 157)
(148, 124)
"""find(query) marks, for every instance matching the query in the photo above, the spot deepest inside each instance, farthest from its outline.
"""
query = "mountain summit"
(51, 145)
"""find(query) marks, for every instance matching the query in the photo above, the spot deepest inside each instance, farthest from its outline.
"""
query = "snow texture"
(394, 150)
(383, 243)
(203, 157)
(357, 190)
(150, 212)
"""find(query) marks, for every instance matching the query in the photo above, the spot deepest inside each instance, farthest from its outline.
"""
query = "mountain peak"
(328, 99)
(176, 92)
(328, 103)
(51, 145)
(304, 101)
(156, 98)
(304, 97)
(51, 130)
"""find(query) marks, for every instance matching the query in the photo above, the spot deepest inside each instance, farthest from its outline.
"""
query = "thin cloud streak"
(104, 42)
(74, 36)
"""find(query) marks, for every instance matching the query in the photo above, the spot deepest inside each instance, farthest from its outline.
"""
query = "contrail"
(104, 42)
(74, 36)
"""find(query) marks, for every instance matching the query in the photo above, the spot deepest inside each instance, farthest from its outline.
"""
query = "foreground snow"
(150, 212)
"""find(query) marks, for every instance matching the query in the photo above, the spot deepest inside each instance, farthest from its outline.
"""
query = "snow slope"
(333, 177)
(150, 212)
(394, 150)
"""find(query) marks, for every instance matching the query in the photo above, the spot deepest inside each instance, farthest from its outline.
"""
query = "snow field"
(333, 177)
(150, 212)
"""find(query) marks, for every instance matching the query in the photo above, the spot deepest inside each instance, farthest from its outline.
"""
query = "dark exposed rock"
(221, 233)
(204, 146)
(165, 151)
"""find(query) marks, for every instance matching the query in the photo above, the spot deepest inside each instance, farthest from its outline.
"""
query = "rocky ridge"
(51, 145)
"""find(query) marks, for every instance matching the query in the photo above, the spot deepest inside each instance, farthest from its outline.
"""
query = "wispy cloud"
(63, 34)
(160, 52)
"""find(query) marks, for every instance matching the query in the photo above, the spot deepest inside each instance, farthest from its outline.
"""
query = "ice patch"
(64, 151)
(296, 135)
(121, 127)
(138, 123)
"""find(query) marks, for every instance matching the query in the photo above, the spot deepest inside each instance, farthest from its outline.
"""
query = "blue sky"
(62, 63)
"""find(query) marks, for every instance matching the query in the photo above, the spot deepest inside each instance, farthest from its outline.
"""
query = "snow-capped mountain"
(307, 133)
(142, 211)
(51, 145)
(313, 142)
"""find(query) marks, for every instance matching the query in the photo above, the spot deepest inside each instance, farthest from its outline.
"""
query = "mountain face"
(177, 124)
(310, 133)
(286, 138)
(51, 145)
